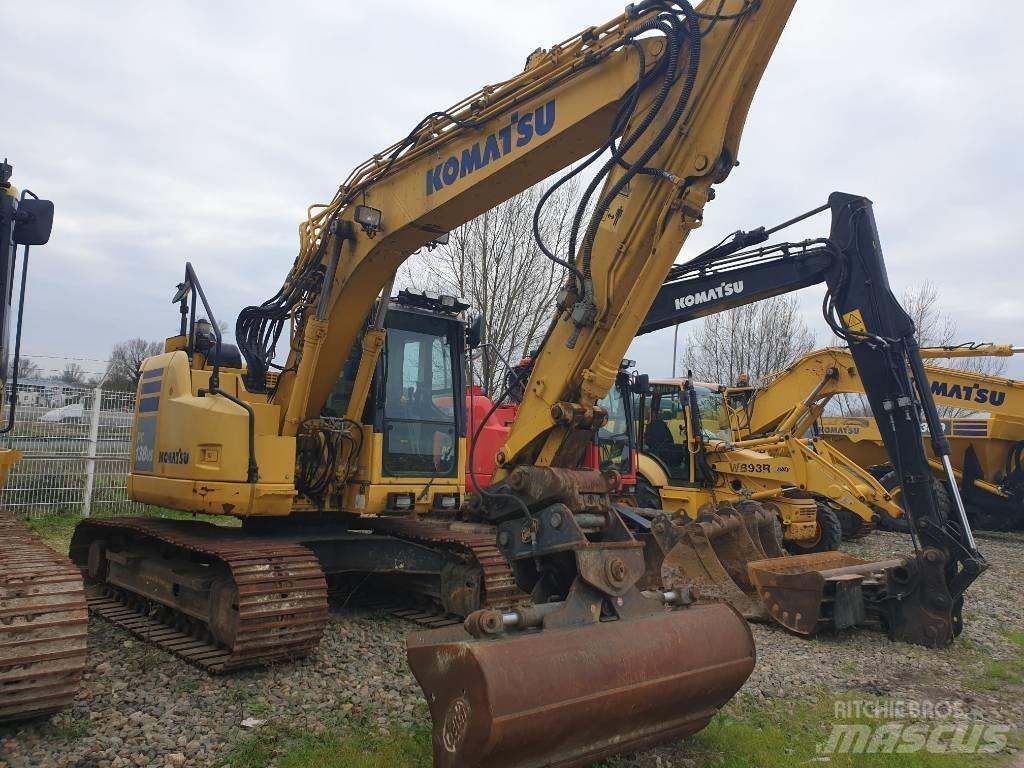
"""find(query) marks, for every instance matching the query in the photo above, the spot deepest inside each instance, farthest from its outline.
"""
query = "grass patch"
(71, 726)
(783, 734)
(56, 530)
(1000, 675)
(360, 748)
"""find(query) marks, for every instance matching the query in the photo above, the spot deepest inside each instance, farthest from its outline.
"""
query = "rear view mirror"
(33, 222)
(475, 331)
(641, 384)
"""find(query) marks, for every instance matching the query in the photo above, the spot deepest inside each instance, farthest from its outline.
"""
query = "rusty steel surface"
(477, 541)
(570, 697)
(43, 625)
(712, 554)
(799, 591)
(275, 608)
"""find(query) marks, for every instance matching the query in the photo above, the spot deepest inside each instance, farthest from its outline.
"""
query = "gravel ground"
(141, 707)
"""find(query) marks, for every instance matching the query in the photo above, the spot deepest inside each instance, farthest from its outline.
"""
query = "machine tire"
(647, 496)
(891, 483)
(830, 534)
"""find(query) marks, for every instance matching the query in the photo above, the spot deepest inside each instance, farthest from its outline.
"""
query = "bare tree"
(73, 374)
(29, 369)
(937, 329)
(125, 360)
(934, 329)
(755, 339)
(495, 264)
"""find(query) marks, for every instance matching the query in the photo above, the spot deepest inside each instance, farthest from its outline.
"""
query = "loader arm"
(819, 376)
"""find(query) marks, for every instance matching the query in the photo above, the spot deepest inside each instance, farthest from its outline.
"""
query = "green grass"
(71, 726)
(1006, 675)
(361, 749)
(335, 748)
(783, 734)
(56, 530)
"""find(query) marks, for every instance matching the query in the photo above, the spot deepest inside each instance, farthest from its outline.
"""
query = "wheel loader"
(43, 619)
(985, 452)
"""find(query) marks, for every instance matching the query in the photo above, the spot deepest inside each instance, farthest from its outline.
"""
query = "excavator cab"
(415, 414)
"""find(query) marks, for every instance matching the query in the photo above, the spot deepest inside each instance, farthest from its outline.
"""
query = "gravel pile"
(139, 706)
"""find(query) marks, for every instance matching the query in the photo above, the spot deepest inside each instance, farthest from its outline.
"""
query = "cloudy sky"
(167, 132)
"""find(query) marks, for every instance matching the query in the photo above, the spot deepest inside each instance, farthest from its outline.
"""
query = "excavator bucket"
(572, 696)
(808, 593)
(712, 554)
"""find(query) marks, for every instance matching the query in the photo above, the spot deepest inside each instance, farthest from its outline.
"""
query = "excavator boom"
(917, 599)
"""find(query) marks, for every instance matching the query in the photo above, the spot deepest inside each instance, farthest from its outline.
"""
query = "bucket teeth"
(711, 554)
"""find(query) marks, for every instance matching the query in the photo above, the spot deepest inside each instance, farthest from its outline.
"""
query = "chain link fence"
(75, 443)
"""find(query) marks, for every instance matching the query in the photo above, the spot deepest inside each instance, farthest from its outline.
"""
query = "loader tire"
(830, 534)
(891, 483)
(647, 496)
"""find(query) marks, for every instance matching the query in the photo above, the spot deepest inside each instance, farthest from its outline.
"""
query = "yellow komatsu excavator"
(43, 619)
(346, 458)
(985, 452)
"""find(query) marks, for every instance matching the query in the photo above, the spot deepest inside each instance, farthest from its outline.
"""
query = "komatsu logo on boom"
(494, 147)
(972, 393)
(725, 289)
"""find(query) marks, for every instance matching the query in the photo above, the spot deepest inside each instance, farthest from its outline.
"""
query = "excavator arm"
(922, 597)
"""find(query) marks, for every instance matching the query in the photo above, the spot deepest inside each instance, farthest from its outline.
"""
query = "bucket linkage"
(591, 667)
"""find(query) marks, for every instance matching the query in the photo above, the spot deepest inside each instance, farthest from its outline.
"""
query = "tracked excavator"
(727, 551)
(43, 618)
(985, 452)
(347, 457)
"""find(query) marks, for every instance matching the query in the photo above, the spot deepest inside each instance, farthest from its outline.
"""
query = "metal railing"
(75, 443)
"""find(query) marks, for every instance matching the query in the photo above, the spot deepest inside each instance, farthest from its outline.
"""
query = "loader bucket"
(807, 593)
(712, 555)
(569, 697)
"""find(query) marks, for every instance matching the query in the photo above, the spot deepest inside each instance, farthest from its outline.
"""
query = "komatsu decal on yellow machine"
(348, 458)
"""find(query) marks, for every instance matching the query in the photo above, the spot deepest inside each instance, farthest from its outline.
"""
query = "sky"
(196, 131)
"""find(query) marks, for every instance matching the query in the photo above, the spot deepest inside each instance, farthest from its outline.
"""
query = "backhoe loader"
(985, 452)
(821, 496)
(43, 617)
(346, 458)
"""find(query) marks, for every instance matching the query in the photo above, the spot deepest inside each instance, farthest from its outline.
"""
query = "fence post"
(94, 438)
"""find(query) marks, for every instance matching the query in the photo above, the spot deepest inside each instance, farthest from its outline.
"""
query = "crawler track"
(281, 601)
(43, 625)
(479, 541)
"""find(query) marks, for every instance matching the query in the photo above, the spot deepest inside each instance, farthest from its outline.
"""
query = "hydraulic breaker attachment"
(565, 684)
(711, 554)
